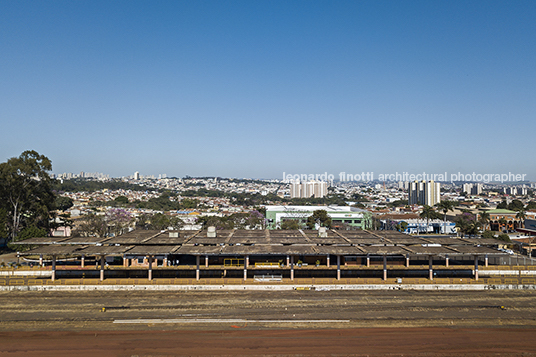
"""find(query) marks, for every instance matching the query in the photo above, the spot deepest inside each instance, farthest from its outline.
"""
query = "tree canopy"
(321, 217)
(26, 196)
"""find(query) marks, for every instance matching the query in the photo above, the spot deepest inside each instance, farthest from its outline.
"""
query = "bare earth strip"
(256, 323)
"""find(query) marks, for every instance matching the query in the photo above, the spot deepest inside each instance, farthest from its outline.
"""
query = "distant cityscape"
(389, 203)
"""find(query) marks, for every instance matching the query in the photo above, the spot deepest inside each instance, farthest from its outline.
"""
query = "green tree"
(428, 213)
(504, 238)
(531, 205)
(445, 207)
(92, 225)
(3, 223)
(516, 205)
(27, 233)
(502, 223)
(26, 192)
(122, 200)
(488, 234)
(320, 217)
(502, 205)
(484, 219)
(290, 224)
(467, 224)
(63, 203)
(188, 203)
(117, 220)
(159, 221)
(521, 215)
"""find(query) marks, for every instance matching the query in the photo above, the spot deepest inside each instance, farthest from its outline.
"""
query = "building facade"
(341, 216)
(424, 193)
(317, 189)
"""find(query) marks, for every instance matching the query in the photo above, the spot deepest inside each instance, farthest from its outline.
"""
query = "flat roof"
(264, 242)
(152, 249)
(41, 240)
(105, 250)
(53, 250)
(85, 240)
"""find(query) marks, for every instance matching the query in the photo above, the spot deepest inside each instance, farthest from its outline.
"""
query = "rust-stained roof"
(42, 240)
(416, 249)
(384, 250)
(263, 242)
(105, 250)
(198, 250)
(53, 250)
(85, 240)
(152, 249)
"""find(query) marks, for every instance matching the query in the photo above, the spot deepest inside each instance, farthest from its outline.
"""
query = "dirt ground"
(191, 323)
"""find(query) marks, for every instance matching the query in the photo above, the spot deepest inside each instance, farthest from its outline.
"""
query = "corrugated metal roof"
(42, 240)
(105, 250)
(53, 250)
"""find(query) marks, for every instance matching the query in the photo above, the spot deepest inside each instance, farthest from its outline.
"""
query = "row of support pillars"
(290, 263)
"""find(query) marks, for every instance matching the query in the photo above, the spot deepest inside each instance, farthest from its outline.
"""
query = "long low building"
(261, 249)
(341, 216)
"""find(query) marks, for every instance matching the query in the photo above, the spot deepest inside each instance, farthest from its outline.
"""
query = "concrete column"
(125, 261)
(288, 260)
(430, 267)
(150, 272)
(476, 267)
(291, 267)
(40, 260)
(53, 267)
(206, 261)
(327, 260)
(102, 268)
(407, 260)
(384, 267)
(338, 267)
(197, 267)
(368, 260)
(447, 260)
(83, 261)
(486, 261)
(246, 264)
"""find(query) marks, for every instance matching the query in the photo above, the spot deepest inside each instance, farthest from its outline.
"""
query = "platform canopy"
(263, 242)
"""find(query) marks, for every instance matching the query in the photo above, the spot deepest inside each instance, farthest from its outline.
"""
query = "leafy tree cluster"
(398, 203)
(467, 223)
(319, 217)
(114, 222)
(63, 203)
(290, 224)
(86, 185)
(247, 220)
(256, 199)
(515, 205)
(26, 196)
(164, 203)
(158, 221)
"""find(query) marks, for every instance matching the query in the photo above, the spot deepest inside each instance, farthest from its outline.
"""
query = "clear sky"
(258, 88)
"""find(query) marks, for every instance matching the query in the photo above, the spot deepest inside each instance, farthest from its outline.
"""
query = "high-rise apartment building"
(317, 189)
(424, 193)
(136, 175)
(472, 188)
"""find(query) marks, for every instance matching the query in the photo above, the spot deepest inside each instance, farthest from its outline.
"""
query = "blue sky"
(258, 88)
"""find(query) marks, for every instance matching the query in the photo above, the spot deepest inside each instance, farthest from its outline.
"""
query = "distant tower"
(424, 193)
(136, 175)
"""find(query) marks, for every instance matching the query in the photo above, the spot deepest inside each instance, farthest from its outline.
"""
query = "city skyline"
(256, 89)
